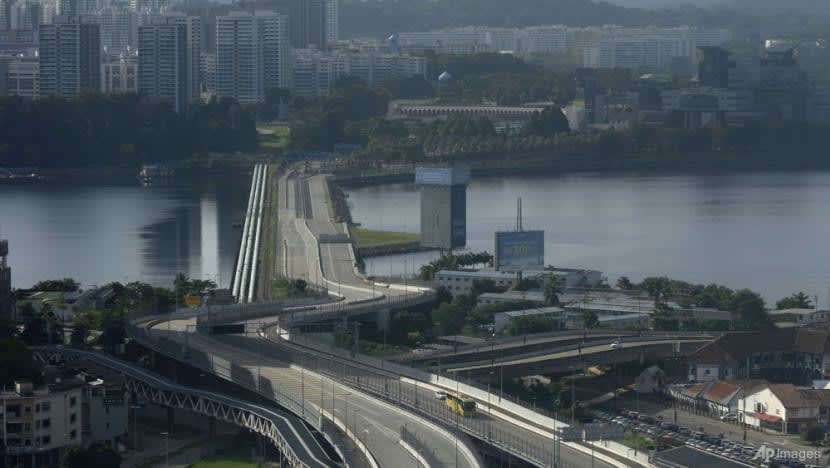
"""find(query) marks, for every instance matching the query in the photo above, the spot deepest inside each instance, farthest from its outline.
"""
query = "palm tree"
(552, 291)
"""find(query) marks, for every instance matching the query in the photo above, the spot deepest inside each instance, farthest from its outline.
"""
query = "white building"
(784, 408)
(800, 317)
(38, 422)
(544, 39)
(252, 54)
(120, 75)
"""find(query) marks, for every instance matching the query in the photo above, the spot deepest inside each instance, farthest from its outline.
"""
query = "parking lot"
(666, 434)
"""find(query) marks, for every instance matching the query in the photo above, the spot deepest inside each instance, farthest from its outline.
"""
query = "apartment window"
(73, 434)
(47, 423)
(73, 401)
(45, 406)
(47, 440)
(72, 418)
(27, 409)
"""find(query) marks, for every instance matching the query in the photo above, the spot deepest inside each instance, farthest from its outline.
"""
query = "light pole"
(166, 448)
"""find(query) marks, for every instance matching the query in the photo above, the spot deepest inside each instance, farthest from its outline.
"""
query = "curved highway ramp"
(288, 433)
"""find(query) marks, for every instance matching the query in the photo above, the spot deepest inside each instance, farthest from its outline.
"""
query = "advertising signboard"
(520, 250)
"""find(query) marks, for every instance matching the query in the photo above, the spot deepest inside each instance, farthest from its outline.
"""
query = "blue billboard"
(520, 250)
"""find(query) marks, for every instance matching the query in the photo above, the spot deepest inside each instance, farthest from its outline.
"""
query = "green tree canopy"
(99, 455)
(798, 300)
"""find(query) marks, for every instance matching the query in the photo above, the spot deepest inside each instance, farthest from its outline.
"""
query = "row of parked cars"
(671, 435)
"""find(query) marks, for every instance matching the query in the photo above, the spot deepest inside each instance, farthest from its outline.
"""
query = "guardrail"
(287, 433)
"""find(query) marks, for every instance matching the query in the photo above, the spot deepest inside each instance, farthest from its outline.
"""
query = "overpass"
(286, 431)
(315, 381)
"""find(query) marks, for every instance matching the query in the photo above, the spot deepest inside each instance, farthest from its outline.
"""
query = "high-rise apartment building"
(308, 25)
(118, 27)
(70, 57)
(193, 31)
(163, 69)
(252, 54)
(332, 20)
(25, 14)
(5, 282)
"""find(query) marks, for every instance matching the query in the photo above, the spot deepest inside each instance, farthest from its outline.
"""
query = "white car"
(440, 394)
(616, 345)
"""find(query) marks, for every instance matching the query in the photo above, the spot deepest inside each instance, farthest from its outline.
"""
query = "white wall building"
(783, 407)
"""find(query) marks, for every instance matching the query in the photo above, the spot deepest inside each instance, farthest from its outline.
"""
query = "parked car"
(729, 417)
(440, 394)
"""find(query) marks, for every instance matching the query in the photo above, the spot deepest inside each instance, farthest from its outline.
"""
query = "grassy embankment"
(272, 136)
(230, 460)
(369, 238)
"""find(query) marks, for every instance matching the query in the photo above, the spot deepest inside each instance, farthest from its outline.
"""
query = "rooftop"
(733, 348)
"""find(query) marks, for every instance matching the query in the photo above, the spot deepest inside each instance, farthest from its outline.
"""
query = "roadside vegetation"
(371, 238)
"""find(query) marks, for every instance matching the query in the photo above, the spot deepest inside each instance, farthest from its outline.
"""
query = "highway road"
(586, 352)
(304, 217)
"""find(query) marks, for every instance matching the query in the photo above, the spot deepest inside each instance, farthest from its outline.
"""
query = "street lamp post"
(166, 448)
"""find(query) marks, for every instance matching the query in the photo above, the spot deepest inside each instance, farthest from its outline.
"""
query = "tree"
(549, 122)
(624, 283)
(813, 434)
(531, 324)
(552, 290)
(448, 318)
(61, 285)
(79, 334)
(590, 319)
(748, 309)
(656, 286)
(798, 300)
(16, 362)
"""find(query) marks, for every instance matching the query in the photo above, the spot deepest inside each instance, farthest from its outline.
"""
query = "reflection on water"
(124, 232)
(764, 231)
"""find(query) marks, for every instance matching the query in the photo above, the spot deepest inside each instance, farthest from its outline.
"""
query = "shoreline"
(546, 164)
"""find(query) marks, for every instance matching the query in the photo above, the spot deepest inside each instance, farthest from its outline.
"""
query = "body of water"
(121, 231)
(765, 231)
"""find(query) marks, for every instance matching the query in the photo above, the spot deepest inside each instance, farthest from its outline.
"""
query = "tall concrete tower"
(443, 206)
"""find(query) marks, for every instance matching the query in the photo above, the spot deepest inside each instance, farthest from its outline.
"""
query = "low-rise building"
(784, 407)
(795, 355)
(461, 282)
(800, 317)
(504, 320)
(80, 403)
(621, 322)
(537, 297)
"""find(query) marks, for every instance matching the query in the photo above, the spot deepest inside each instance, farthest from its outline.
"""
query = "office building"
(252, 55)
(70, 58)
(162, 63)
(443, 206)
(5, 281)
(119, 74)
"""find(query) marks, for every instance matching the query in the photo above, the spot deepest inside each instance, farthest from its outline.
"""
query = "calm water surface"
(765, 231)
(122, 231)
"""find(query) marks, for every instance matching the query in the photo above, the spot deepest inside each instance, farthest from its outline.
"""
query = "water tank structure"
(443, 206)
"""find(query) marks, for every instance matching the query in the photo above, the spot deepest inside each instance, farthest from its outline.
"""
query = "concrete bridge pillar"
(382, 319)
